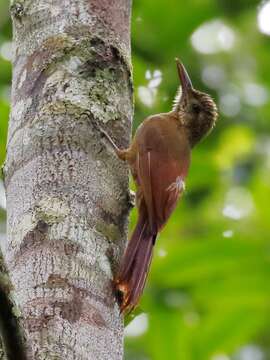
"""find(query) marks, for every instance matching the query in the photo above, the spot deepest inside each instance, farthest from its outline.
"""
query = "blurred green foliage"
(208, 294)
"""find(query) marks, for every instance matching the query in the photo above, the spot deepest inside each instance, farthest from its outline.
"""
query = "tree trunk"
(67, 193)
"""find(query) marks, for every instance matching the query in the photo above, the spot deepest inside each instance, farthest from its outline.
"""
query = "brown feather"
(157, 169)
(159, 158)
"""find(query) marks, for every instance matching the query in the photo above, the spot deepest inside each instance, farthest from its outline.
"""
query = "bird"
(159, 159)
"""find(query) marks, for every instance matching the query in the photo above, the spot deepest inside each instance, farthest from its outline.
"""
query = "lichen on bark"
(66, 191)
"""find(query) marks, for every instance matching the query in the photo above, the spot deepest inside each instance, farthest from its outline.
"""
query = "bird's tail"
(134, 266)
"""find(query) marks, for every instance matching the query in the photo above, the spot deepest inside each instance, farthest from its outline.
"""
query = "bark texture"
(67, 193)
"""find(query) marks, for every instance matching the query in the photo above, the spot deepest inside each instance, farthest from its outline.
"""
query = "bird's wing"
(161, 178)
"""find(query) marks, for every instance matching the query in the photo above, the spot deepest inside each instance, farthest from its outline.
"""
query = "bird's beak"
(184, 79)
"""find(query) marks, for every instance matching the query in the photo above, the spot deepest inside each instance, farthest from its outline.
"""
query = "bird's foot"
(131, 199)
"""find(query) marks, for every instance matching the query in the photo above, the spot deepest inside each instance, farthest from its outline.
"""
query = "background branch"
(12, 336)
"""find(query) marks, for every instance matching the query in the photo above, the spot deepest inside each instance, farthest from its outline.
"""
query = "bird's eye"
(195, 108)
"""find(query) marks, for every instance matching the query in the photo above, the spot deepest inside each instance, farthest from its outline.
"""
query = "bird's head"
(196, 110)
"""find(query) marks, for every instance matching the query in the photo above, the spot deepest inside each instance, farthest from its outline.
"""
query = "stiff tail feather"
(131, 278)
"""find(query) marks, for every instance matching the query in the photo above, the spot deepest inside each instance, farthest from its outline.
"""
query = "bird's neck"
(193, 133)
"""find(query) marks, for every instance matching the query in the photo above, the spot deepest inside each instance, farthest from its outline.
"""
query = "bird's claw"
(131, 199)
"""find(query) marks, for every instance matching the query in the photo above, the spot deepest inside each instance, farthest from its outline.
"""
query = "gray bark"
(66, 190)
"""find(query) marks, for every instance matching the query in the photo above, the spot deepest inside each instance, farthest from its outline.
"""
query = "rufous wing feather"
(160, 182)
